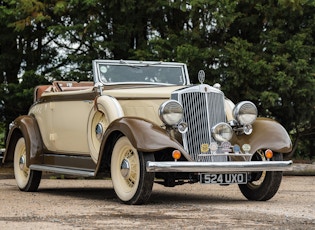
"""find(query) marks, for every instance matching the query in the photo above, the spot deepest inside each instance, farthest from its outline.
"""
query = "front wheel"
(132, 183)
(264, 185)
(27, 180)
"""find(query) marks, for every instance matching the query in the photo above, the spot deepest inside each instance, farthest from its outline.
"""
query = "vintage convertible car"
(142, 122)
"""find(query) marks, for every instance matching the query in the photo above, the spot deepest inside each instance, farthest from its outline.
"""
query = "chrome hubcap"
(22, 162)
(125, 168)
(99, 130)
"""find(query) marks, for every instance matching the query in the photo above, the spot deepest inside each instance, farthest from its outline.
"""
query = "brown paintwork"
(267, 134)
(39, 90)
(143, 135)
(69, 161)
(148, 137)
(68, 96)
(27, 126)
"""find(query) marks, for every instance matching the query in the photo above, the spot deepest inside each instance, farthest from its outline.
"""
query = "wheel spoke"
(131, 158)
(132, 184)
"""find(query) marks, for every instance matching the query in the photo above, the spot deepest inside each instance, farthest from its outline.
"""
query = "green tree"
(258, 50)
(269, 58)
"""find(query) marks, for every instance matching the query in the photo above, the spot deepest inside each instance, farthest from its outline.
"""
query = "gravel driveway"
(91, 204)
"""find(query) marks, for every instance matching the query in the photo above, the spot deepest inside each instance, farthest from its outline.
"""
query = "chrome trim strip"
(218, 167)
(77, 172)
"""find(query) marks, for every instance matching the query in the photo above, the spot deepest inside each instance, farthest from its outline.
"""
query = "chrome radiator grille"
(203, 108)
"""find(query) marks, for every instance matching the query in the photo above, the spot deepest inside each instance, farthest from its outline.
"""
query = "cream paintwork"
(107, 110)
(67, 131)
(61, 122)
(68, 118)
(141, 92)
(75, 120)
(229, 106)
(44, 120)
(143, 102)
(146, 109)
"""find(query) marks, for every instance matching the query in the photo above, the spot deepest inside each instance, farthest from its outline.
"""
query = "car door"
(69, 126)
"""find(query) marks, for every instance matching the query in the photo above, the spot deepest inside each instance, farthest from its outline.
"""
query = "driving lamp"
(182, 127)
(222, 132)
(245, 112)
(171, 112)
(268, 153)
(176, 154)
(248, 129)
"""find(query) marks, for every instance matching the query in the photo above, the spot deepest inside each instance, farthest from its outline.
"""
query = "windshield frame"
(97, 75)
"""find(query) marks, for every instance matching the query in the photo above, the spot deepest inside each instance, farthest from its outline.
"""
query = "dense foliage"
(257, 50)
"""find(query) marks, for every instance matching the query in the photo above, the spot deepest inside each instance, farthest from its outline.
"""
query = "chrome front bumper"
(218, 167)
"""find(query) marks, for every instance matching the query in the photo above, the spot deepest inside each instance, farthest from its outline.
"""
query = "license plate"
(230, 178)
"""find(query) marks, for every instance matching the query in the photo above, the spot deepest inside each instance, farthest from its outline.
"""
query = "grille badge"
(204, 147)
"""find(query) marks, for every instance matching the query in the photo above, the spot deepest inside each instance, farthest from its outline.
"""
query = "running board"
(68, 171)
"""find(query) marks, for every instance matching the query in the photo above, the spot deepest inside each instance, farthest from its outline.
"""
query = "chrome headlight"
(222, 132)
(245, 112)
(171, 112)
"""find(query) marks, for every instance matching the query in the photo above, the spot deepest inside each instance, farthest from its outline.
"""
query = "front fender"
(267, 134)
(144, 135)
(27, 127)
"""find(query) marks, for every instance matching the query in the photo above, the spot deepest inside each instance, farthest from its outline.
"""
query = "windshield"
(152, 73)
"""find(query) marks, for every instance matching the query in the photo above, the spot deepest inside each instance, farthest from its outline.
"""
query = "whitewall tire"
(27, 180)
(131, 182)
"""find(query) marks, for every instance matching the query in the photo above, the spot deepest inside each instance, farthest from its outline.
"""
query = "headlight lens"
(222, 132)
(245, 112)
(171, 112)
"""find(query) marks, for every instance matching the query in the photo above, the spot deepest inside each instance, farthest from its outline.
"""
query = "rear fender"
(27, 127)
(267, 134)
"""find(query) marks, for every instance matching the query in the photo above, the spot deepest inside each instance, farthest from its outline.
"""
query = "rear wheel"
(132, 183)
(264, 185)
(27, 180)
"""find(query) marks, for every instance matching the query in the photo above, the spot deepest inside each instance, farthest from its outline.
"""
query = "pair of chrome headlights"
(171, 113)
(244, 113)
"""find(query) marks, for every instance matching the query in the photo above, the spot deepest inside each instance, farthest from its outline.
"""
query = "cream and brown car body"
(143, 122)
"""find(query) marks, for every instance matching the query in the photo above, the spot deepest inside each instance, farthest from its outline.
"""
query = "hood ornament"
(201, 76)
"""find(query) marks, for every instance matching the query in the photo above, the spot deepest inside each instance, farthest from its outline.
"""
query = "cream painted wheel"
(132, 184)
(26, 179)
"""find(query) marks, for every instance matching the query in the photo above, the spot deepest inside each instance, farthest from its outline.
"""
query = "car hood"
(142, 91)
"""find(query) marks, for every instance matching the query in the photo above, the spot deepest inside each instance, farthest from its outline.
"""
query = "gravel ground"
(91, 204)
